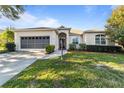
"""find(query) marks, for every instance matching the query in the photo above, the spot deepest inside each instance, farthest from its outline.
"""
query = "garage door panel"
(35, 42)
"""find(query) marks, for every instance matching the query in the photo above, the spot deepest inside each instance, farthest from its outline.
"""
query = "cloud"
(28, 20)
(114, 7)
(50, 22)
(89, 8)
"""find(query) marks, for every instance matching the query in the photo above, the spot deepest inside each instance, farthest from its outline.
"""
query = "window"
(75, 41)
(35, 42)
(103, 41)
(97, 39)
(100, 40)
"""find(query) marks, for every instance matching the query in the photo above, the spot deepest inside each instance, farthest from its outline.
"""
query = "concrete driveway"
(13, 63)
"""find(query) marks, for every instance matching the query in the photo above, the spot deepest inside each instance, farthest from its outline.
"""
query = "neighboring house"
(38, 38)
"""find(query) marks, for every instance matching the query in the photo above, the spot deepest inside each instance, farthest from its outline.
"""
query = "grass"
(77, 70)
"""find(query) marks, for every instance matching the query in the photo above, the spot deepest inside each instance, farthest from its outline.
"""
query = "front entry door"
(62, 40)
(62, 43)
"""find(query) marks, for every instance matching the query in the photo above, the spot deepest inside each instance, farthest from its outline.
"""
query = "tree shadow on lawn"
(54, 73)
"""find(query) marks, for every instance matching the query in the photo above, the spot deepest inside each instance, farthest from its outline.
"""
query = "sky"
(80, 17)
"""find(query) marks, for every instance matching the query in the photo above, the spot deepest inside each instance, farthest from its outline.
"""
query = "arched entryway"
(62, 40)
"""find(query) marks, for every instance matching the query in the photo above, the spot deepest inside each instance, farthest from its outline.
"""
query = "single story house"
(38, 38)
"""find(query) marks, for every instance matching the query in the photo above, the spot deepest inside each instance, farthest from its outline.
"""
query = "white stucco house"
(38, 38)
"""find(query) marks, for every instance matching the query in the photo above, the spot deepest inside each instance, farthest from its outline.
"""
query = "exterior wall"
(51, 34)
(110, 43)
(89, 39)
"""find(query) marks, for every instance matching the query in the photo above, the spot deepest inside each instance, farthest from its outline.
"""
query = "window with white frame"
(75, 40)
(100, 40)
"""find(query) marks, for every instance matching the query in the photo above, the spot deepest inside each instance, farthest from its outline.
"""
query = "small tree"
(115, 26)
(11, 12)
(7, 36)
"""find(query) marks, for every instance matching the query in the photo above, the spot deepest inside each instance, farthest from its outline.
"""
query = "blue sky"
(75, 16)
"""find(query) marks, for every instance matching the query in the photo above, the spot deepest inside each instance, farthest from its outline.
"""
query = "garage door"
(35, 42)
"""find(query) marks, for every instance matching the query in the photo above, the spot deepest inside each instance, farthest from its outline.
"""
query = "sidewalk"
(55, 54)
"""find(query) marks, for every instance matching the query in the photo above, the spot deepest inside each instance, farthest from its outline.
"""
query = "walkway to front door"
(54, 54)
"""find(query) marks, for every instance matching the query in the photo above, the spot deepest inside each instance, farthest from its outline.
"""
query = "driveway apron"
(13, 63)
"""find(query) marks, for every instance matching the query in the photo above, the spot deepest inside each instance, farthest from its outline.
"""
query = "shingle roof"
(94, 31)
(36, 28)
(43, 28)
(76, 32)
(72, 31)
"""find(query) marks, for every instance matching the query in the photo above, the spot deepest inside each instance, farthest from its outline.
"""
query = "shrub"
(7, 35)
(3, 51)
(82, 46)
(99, 48)
(10, 47)
(3, 45)
(72, 47)
(50, 49)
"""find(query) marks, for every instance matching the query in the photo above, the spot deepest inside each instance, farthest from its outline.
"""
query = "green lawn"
(78, 69)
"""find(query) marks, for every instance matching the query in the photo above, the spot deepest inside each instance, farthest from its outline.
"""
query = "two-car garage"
(34, 42)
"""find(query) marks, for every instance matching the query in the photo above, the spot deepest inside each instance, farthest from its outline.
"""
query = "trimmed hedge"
(95, 48)
(3, 51)
(10, 46)
(82, 46)
(99, 48)
(72, 47)
(50, 49)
